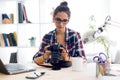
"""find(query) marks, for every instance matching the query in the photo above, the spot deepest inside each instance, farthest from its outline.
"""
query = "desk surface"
(89, 73)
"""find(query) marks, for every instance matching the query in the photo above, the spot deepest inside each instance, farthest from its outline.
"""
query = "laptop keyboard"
(14, 67)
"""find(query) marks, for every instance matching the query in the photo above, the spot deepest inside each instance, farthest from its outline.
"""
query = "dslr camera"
(55, 55)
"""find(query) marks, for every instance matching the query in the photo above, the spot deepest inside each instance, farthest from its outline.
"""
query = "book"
(12, 18)
(25, 14)
(20, 13)
(14, 42)
(5, 16)
(110, 78)
(10, 39)
(114, 70)
(13, 57)
(2, 43)
(5, 39)
(15, 35)
(6, 19)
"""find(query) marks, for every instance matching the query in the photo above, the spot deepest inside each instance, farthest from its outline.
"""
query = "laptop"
(14, 68)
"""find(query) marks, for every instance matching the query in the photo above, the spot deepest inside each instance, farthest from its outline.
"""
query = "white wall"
(115, 16)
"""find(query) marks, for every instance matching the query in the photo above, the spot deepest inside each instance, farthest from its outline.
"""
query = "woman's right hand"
(41, 60)
(47, 52)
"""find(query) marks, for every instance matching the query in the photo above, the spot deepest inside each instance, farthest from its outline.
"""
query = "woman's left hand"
(65, 54)
(84, 59)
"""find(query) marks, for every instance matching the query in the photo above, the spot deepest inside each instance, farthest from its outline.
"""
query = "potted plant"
(32, 41)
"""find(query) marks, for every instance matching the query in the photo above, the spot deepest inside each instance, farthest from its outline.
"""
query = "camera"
(55, 55)
(56, 52)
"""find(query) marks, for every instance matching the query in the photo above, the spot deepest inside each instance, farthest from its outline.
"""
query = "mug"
(77, 64)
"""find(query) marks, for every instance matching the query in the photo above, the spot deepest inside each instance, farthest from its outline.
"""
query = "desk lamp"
(93, 35)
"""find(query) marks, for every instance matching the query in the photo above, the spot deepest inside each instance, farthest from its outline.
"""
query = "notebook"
(110, 78)
(14, 68)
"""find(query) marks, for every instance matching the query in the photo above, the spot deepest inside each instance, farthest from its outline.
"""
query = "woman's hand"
(41, 60)
(64, 54)
(84, 59)
(47, 52)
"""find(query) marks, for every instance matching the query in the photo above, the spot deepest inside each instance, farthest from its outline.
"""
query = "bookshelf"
(39, 14)
(24, 30)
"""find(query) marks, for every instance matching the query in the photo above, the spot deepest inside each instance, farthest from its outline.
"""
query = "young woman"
(70, 39)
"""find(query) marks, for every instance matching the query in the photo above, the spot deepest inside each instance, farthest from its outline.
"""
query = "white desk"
(89, 73)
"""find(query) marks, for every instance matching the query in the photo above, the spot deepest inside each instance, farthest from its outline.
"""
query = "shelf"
(24, 30)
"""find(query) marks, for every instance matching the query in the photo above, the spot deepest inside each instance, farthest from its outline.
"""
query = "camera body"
(56, 53)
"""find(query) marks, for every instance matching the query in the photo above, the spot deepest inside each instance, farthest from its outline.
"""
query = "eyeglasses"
(64, 21)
